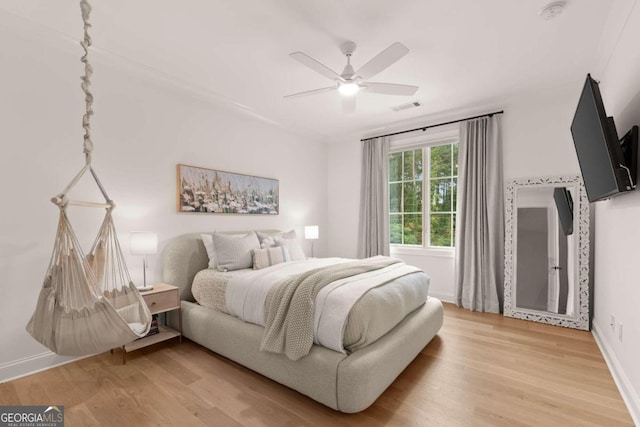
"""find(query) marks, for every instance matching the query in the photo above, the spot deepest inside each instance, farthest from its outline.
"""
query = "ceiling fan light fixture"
(348, 89)
(349, 83)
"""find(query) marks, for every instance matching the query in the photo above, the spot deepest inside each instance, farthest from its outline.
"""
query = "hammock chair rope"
(87, 145)
(87, 304)
(85, 8)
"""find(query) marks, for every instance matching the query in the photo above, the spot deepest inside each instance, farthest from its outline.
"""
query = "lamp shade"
(311, 232)
(143, 243)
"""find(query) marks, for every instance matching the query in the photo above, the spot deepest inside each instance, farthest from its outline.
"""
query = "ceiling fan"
(349, 82)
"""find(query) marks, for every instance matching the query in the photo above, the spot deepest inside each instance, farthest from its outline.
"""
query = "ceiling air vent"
(407, 106)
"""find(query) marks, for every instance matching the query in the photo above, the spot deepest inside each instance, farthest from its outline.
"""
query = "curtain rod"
(423, 128)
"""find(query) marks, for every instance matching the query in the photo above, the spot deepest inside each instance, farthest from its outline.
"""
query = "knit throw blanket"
(289, 305)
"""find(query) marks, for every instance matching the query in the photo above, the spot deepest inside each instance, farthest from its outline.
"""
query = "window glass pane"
(440, 161)
(412, 197)
(441, 230)
(395, 226)
(455, 159)
(407, 170)
(395, 194)
(441, 195)
(406, 188)
(395, 167)
(418, 158)
(413, 229)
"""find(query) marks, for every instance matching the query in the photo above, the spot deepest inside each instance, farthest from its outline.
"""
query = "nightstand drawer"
(162, 301)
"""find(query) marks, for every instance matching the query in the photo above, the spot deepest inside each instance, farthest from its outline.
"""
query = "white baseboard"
(630, 396)
(443, 297)
(33, 364)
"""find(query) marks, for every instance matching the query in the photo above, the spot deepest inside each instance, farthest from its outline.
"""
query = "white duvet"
(246, 295)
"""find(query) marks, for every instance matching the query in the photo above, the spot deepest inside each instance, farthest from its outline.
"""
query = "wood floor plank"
(9, 395)
(32, 391)
(481, 370)
(81, 416)
(199, 408)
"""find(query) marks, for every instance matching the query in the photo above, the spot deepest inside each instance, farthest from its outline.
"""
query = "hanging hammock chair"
(87, 304)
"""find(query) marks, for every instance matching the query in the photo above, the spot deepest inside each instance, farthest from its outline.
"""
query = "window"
(411, 181)
(405, 197)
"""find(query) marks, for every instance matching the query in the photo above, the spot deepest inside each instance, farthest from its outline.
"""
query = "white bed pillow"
(234, 253)
(263, 258)
(262, 236)
(295, 251)
(207, 240)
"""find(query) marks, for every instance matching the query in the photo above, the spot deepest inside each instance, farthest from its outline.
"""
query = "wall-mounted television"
(564, 206)
(606, 169)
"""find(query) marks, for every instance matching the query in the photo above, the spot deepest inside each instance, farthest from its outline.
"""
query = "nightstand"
(161, 299)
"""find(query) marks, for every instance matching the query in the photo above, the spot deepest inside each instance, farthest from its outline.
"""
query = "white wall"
(143, 126)
(537, 142)
(536, 133)
(344, 167)
(617, 236)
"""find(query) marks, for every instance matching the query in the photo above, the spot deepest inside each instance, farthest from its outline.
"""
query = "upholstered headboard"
(183, 257)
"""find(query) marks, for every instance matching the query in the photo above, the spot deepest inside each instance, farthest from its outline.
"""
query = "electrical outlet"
(620, 331)
(612, 323)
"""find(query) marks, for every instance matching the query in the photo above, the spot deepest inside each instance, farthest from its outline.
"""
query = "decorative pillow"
(295, 251)
(291, 234)
(271, 256)
(130, 313)
(234, 253)
(267, 242)
(207, 240)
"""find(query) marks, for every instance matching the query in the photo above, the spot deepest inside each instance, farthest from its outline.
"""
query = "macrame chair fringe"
(87, 304)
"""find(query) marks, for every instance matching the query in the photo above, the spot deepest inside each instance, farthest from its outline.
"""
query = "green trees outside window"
(408, 187)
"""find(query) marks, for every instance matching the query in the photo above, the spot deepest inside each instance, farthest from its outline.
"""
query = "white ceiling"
(463, 52)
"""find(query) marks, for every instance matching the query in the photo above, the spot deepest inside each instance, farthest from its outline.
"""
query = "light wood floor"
(482, 369)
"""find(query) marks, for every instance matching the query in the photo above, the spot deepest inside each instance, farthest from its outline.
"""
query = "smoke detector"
(553, 9)
(408, 105)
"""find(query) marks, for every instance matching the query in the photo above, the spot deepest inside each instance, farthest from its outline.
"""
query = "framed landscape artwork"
(203, 190)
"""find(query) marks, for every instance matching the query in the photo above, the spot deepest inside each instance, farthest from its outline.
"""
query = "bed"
(345, 382)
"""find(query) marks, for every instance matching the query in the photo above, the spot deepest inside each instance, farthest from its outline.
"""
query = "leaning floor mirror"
(547, 251)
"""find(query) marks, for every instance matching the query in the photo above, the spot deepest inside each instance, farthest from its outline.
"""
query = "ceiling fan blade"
(390, 88)
(311, 92)
(348, 104)
(383, 60)
(316, 66)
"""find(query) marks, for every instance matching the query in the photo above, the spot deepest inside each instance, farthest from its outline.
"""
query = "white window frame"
(433, 139)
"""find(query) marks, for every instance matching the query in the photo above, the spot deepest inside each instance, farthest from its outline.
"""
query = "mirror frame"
(580, 318)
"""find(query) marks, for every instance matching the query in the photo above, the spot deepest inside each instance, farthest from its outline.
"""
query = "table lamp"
(311, 232)
(143, 243)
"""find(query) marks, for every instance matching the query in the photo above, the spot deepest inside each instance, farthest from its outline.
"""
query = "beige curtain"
(373, 236)
(480, 217)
